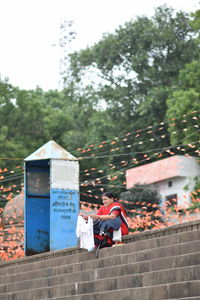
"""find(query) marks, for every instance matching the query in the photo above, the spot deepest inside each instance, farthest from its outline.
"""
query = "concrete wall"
(177, 187)
(178, 170)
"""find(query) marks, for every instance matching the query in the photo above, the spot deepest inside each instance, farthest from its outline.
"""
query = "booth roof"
(50, 150)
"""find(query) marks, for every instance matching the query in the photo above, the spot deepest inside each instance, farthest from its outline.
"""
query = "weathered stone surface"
(151, 266)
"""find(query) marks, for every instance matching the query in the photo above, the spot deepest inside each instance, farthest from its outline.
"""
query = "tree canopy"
(118, 109)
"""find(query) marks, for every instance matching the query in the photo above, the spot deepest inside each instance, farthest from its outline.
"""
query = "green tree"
(139, 66)
(143, 201)
(8, 146)
(185, 101)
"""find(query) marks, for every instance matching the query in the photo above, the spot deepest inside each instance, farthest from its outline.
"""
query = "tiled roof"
(159, 170)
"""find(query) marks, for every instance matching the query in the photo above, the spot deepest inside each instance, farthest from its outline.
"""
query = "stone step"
(180, 290)
(61, 288)
(188, 298)
(144, 293)
(135, 242)
(15, 282)
(146, 260)
(70, 256)
(153, 265)
(167, 291)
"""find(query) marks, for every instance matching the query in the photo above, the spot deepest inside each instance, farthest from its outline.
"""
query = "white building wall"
(188, 167)
(179, 170)
(177, 187)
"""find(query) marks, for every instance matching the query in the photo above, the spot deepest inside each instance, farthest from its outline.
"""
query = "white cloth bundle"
(117, 235)
(84, 231)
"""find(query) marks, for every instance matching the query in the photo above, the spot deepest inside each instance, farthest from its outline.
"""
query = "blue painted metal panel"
(37, 207)
(25, 211)
(37, 225)
(64, 206)
(50, 214)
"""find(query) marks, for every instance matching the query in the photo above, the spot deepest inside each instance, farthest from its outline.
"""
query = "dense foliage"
(143, 201)
(121, 90)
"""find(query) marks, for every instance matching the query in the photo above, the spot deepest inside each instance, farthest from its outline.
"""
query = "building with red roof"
(174, 177)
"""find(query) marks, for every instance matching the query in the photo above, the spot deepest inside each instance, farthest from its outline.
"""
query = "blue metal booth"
(51, 199)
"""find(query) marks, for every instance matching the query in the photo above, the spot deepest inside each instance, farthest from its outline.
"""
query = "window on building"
(170, 183)
(171, 200)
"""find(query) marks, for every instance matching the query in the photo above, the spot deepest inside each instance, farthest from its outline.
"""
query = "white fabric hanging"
(117, 235)
(84, 231)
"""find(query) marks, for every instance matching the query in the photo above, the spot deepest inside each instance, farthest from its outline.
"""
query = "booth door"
(37, 208)
(37, 225)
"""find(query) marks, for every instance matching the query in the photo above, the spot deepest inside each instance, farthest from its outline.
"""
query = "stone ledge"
(178, 228)
(182, 227)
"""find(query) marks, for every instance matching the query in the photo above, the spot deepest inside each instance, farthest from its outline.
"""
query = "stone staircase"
(153, 265)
